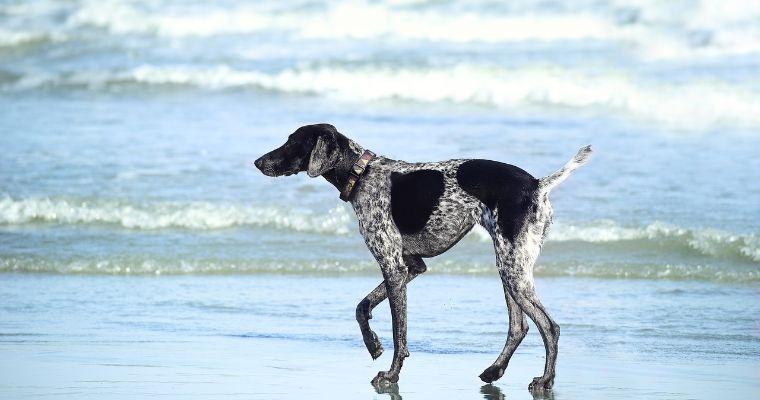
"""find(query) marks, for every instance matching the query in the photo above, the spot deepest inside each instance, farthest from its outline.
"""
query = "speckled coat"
(410, 211)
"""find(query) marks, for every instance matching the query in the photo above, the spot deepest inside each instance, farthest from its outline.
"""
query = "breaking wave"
(354, 20)
(708, 242)
(714, 243)
(192, 215)
(654, 29)
(528, 88)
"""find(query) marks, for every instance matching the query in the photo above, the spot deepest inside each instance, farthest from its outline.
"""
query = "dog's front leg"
(415, 266)
(384, 242)
(395, 285)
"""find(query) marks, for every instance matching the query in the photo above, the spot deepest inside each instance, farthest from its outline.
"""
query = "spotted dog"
(411, 211)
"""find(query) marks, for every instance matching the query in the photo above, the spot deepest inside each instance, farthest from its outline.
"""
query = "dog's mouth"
(268, 171)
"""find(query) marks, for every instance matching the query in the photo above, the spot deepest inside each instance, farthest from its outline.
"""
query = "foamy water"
(531, 89)
(195, 216)
(337, 221)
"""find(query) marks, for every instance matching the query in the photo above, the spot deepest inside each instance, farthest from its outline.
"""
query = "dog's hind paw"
(541, 384)
(384, 378)
(492, 373)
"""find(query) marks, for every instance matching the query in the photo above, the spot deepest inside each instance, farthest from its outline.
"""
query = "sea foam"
(190, 215)
(654, 29)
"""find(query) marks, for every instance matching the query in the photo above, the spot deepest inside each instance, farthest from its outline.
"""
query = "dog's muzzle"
(268, 168)
(264, 166)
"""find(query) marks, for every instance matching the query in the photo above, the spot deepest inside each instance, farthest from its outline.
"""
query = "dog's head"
(311, 148)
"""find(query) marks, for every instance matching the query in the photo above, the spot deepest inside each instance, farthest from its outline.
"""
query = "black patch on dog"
(414, 196)
(502, 187)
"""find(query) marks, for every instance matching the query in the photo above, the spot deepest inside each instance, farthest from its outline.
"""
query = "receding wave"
(544, 88)
(133, 265)
(667, 271)
(707, 242)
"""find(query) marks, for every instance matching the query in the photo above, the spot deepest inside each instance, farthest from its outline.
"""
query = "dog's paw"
(373, 344)
(384, 378)
(492, 373)
(541, 384)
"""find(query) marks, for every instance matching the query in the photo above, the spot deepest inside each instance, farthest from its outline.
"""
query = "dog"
(411, 211)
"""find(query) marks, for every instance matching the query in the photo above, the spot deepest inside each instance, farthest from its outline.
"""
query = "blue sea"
(130, 208)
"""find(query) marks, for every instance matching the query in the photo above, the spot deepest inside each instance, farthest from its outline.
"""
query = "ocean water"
(128, 131)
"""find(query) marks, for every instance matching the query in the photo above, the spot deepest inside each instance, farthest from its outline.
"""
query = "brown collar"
(356, 172)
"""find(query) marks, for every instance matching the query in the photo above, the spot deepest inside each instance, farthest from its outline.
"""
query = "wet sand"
(282, 337)
(238, 368)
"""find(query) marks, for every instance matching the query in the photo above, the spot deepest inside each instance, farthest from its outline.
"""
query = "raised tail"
(546, 184)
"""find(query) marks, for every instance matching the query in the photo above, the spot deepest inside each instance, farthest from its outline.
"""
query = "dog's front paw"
(373, 344)
(541, 384)
(384, 378)
(491, 374)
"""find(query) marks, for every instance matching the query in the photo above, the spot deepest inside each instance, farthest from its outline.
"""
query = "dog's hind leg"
(526, 298)
(518, 326)
(415, 266)
(519, 280)
(515, 259)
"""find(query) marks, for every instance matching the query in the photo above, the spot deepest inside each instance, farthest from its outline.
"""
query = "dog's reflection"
(391, 390)
(542, 394)
(491, 392)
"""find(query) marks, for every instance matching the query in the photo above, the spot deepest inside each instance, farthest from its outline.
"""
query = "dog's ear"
(324, 155)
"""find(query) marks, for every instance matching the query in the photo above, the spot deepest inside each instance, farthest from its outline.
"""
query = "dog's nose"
(258, 163)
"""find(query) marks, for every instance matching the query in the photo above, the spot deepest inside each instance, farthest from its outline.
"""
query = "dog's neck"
(349, 151)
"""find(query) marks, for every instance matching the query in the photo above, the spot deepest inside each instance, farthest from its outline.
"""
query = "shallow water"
(276, 336)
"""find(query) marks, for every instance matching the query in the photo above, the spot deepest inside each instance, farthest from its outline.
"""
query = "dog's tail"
(546, 184)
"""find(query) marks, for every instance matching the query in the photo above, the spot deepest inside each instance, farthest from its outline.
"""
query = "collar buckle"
(360, 166)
